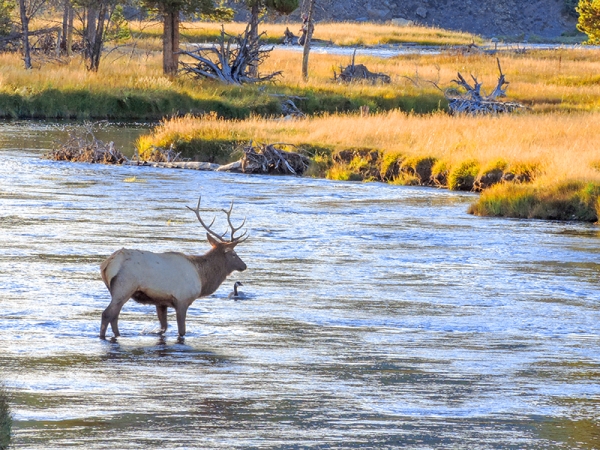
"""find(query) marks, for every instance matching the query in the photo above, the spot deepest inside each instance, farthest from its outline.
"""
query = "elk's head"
(219, 242)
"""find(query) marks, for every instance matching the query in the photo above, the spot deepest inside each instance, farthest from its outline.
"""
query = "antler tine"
(207, 228)
(234, 229)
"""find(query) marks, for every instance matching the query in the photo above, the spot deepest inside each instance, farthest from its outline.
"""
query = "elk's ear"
(212, 241)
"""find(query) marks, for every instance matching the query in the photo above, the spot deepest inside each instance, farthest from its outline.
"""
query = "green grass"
(572, 200)
(5, 419)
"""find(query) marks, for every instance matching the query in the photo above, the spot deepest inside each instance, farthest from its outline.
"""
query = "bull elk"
(169, 279)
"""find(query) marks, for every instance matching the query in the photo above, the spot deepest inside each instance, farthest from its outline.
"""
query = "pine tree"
(170, 11)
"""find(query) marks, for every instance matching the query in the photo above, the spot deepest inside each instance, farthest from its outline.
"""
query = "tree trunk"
(309, 33)
(67, 28)
(25, 30)
(70, 31)
(170, 43)
(253, 34)
(96, 50)
(90, 32)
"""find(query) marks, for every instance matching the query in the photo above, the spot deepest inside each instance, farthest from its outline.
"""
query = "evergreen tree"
(170, 11)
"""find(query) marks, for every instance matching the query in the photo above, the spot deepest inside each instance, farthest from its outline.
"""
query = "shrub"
(589, 20)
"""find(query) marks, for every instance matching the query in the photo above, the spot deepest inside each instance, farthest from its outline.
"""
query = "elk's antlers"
(221, 237)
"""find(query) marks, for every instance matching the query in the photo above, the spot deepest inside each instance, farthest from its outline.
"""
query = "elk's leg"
(161, 312)
(181, 312)
(111, 313)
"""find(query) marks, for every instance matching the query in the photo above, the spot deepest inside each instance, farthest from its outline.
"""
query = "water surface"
(378, 316)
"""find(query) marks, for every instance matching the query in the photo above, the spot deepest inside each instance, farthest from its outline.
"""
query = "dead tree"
(473, 102)
(230, 61)
(359, 72)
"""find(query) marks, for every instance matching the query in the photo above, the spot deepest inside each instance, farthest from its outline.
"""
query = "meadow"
(408, 138)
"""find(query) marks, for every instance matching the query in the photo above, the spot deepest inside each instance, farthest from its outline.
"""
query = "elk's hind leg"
(120, 296)
(161, 312)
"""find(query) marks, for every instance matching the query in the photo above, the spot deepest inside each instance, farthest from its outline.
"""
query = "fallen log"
(175, 165)
(359, 72)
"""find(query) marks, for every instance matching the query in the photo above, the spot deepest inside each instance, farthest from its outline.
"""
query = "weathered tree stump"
(359, 72)
(473, 102)
(231, 61)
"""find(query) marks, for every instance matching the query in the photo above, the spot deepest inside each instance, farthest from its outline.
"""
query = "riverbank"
(545, 159)
(130, 84)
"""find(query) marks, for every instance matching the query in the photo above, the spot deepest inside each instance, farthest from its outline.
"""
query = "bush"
(589, 20)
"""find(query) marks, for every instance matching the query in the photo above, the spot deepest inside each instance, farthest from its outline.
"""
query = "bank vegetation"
(530, 166)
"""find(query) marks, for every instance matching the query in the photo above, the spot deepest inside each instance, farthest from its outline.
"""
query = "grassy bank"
(130, 84)
(539, 154)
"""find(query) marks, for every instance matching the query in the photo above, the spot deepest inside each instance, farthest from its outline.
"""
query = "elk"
(170, 279)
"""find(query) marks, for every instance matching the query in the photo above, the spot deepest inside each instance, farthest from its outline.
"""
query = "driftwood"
(161, 155)
(267, 159)
(230, 61)
(473, 102)
(83, 146)
(358, 72)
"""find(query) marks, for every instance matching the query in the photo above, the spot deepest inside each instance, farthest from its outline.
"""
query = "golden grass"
(564, 146)
(547, 81)
(338, 33)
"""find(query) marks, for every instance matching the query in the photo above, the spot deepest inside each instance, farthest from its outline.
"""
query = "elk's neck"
(212, 270)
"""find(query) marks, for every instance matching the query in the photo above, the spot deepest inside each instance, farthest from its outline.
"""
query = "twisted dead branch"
(230, 61)
(473, 102)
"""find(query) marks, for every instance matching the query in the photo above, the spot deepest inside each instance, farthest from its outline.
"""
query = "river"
(377, 316)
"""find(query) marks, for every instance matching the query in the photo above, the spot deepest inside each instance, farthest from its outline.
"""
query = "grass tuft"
(462, 177)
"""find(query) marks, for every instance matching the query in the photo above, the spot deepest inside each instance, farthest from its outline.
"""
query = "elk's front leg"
(161, 312)
(180, 312)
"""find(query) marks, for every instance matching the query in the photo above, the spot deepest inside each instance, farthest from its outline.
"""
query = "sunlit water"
(378, 316)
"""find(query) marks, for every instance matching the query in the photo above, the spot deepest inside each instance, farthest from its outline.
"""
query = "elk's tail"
(111, 266)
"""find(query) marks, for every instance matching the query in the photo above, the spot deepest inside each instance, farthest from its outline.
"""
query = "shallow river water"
(377, 316)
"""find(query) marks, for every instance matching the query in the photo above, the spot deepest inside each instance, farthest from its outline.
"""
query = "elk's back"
(158, 275)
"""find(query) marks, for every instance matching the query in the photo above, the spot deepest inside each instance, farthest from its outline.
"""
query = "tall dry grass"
(546, 81)
(338, 33)
(563, 146)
